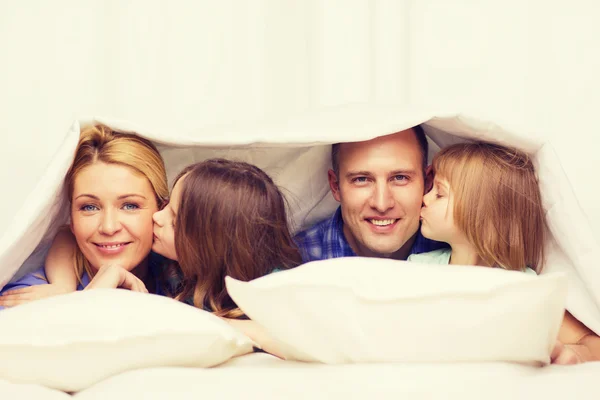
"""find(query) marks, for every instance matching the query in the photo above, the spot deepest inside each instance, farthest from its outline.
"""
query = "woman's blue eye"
(88, 208)
(130, 206)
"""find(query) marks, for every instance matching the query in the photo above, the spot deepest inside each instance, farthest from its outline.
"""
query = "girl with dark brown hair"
(224, 218)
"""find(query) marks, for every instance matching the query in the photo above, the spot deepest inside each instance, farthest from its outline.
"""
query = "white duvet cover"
(260, 376)
(295, 151)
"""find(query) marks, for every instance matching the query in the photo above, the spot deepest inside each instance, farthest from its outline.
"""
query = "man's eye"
(88, 208)
(400, 178)
(130, 206)
(359, 179)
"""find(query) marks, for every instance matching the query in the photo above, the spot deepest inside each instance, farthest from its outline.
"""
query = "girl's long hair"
(231, 221)
(497, 202)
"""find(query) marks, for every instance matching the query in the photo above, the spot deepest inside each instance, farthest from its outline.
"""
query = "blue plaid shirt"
(326, 240)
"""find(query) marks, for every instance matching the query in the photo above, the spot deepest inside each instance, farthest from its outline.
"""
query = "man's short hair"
(421, 139)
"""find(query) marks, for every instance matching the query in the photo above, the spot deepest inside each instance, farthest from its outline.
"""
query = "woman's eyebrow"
(118, 198)
(131, 195)
(88, 195)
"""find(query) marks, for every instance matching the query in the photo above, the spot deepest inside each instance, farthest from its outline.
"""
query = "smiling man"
(379, 184)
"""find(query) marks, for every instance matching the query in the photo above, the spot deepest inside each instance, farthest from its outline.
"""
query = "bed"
(258, 376)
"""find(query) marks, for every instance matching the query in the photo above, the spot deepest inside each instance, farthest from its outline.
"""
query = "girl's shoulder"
(439, 256)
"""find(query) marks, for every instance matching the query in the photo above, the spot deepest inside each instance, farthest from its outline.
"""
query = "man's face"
(380, 187)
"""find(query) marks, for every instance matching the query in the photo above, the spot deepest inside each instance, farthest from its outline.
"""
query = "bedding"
(260, 376)
(290, 144)
(295, 151)
(9, 390)
(71, 341)
(365, 310)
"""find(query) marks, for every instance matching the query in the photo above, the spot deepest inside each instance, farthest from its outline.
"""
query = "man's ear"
(428, 178)
(334, 184)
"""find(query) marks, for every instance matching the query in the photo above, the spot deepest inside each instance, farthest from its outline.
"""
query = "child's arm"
(60, 268)
(576, 343)
(60, 274)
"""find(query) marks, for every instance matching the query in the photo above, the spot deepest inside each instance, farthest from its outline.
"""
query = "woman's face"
(164, 224)
(111, 215)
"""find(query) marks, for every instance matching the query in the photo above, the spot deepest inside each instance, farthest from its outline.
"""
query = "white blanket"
(295, 151)
(260, 376)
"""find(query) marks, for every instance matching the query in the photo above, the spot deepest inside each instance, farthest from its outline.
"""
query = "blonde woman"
(115, 185)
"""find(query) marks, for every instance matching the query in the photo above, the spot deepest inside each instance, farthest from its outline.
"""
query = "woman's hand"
(15, 297)
(115, 276)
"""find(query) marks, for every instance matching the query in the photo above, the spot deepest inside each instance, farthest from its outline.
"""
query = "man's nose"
(382, 199)
(110, 223)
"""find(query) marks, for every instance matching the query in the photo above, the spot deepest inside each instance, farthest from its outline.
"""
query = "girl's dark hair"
(231, 221)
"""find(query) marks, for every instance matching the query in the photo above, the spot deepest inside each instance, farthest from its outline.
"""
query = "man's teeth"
(112, 246)
(382, 222)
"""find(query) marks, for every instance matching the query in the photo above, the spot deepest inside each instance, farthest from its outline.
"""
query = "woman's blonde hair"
(99, 143)
(497, 202)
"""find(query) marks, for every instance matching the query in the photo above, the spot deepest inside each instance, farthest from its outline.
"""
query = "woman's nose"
(110, 223)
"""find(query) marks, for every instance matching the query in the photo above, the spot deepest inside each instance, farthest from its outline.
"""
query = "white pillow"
(15, 391)
(70, 342)
(350, 310)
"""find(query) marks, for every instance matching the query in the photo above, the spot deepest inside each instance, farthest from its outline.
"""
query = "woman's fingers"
(19, 291)
(131, 282)
(114, 276)
(18, 296)
(10, 302)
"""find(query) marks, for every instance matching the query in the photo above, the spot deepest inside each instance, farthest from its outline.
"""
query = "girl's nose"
(427, 198)
(157, 218)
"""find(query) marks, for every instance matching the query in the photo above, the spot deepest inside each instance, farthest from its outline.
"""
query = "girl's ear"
(428, 178)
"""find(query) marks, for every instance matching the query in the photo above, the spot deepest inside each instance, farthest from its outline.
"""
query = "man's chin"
(384, 251)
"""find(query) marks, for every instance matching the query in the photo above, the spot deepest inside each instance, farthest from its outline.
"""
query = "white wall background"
(532, 65)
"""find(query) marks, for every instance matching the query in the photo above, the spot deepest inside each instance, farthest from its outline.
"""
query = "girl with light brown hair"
(486, 204)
